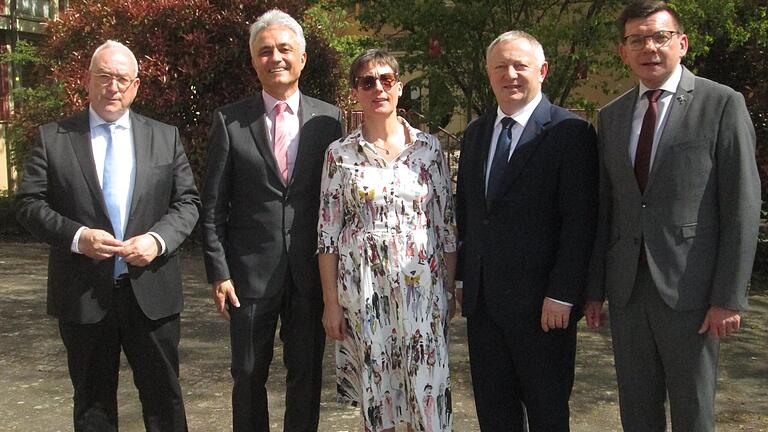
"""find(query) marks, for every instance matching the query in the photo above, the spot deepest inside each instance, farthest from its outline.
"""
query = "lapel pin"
(681, 99)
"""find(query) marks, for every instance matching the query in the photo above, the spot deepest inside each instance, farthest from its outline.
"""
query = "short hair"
(538, 50)
(643, 9)
(374, 56)
(276, 17)
(114, 44)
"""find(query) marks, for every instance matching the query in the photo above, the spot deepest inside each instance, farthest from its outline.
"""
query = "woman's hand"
(334, 322)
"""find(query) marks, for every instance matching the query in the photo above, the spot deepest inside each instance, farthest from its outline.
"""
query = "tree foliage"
(736, 54)
(446, 41)
(193, 57)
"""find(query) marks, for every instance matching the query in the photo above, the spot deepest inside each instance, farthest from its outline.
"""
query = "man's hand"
(140, 250)
(593, 311)
(333, 321)
(554, 315)
(222, 291)
(720, 322)
(98, 244)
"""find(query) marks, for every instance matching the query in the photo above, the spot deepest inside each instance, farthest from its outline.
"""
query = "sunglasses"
(368, 82)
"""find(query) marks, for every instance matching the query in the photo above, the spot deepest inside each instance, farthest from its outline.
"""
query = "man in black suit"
(526, 212)
(261, 195)
(113, 193)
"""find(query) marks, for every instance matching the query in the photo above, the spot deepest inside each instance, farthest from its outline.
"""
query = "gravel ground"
(36, 392)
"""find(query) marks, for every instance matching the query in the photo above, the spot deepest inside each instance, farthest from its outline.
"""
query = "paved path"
(35, 392)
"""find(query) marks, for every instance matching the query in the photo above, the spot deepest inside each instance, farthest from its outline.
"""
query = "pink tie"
(281, 139)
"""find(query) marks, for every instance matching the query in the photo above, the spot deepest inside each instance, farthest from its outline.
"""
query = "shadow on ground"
(36, 392)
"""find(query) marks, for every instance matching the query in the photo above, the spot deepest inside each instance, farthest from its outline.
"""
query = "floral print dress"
(389, 223)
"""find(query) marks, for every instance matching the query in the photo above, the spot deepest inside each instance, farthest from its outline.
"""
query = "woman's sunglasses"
(368, 82)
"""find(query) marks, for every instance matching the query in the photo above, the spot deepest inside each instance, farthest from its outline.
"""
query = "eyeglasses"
(105, 80)
(368, 82)
(660, 39)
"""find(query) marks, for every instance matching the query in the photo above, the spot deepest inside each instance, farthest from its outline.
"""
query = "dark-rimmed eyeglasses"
(661, 38)
(105, 79)
(368, 82)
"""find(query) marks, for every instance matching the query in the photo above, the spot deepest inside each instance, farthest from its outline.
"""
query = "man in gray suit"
(261, 200)
(113, 193)
(679, 213)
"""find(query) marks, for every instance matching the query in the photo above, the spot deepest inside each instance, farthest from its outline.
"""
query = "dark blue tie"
(501, 157)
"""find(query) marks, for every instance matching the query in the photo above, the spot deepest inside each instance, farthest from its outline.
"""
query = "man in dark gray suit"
(113, 194)
(261, 200)
(680, 205)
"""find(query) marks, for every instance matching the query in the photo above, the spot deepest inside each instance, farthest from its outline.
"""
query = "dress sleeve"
(442, 207)
(331, 213)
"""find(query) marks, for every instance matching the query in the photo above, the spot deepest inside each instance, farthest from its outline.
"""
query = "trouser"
(659, 354)
(152, 350)
(252, 335)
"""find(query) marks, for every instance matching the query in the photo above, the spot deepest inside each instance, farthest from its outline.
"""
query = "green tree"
(34, 105)
(445, 41)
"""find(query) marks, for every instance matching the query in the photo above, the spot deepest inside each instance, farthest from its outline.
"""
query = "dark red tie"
(645, 142)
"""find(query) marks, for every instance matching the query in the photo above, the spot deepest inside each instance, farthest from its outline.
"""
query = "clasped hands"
(137, 251)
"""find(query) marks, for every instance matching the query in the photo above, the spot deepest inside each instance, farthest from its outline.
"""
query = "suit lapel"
(307, 110)
(261, 136)
(678, 107)
(484, 142)
(617, 144)
(80, 139)
(142, 150)
(529, 141)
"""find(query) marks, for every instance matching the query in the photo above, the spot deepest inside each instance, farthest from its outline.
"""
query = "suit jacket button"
(486, 221)
(643, 204)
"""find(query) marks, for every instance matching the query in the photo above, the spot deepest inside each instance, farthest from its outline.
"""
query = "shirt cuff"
(560, 302)
(75, 247)
(159, 240)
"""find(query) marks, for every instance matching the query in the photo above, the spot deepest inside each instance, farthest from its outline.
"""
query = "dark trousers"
(659, 354)
(520, 372)
(252, 333)
(151, 347)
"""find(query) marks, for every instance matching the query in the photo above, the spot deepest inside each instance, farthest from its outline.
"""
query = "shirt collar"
(270, 102)
(94, 120)
(670, 85)
(521, 116)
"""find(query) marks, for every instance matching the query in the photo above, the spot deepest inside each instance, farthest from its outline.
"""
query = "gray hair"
(276, 17)
(538, 50)
(114, 44)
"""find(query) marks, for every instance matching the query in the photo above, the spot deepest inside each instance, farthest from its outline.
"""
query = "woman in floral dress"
(387, 257)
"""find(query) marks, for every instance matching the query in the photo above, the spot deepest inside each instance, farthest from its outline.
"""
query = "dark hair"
(375, 56)
(646, 8)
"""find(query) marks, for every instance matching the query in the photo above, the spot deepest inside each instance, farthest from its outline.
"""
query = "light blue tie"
(113, 187)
